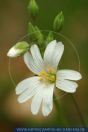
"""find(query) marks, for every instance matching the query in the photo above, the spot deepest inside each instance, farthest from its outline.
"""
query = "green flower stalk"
(58, 22)
(19, 49)
(33, 8)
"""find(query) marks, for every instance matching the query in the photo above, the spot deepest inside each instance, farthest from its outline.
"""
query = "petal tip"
(33, 111)
(19, 101)
(80, 76)
(17, 93)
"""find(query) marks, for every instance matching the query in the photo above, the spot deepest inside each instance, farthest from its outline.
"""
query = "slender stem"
(61, 117)
(10, 75)
(79, 111)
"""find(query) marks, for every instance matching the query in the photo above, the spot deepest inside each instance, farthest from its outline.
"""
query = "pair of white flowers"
(41, 87)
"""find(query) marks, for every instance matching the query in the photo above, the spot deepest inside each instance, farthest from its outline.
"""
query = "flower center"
(49, 75)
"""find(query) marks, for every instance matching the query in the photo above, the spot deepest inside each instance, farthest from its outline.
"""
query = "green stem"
(79, 111)
(60, 115)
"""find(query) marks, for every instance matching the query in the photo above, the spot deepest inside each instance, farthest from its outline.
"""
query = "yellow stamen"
(49, 75)
(50, 70)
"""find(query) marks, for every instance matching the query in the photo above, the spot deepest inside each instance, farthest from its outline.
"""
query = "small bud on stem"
(19, 49)
(33, 8)
(58, 22)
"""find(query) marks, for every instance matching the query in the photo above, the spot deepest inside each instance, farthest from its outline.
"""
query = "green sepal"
(22, 46)
(50, 37)
(35, 34)
(38, 35)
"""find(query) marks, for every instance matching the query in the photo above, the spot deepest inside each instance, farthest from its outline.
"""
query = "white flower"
(18, 49)
(13, 52)
(42, 86)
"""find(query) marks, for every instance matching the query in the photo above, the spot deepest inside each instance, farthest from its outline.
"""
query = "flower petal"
(37, 56)
(69, 74)
(34, 87)
(47, 99)
(53, 54)
(36, 102)
(13, 52)
(67, 86)
(26, 84)
(31, 64)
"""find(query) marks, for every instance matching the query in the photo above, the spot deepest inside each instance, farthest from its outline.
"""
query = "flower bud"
(31, 30)
(58, 22)
(35, 33)
(19, 49)
(33, 8)
(50, 37)
(38, 35)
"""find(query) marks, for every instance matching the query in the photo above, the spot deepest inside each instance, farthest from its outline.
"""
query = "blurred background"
(14, 20)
